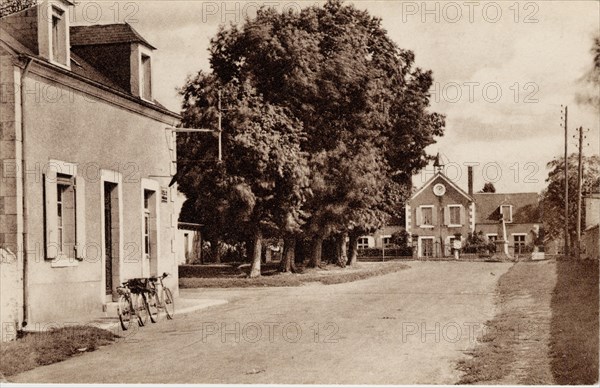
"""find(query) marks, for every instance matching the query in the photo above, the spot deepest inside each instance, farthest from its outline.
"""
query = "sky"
(502, 71)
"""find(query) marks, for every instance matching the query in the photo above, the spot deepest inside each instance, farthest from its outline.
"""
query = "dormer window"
(506, 212)
(146, 75)
(59, 36)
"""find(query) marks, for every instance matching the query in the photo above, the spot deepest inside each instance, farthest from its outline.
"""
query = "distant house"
(520, 212)
(189, 243)
(380, 239)
(86, 159)
(440, 212)
(437, 214)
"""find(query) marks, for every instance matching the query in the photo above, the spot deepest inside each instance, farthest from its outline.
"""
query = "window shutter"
(447, 215)
(462, 215)
(418, 216)
(434, 215)
(50, 192)
(80, 217)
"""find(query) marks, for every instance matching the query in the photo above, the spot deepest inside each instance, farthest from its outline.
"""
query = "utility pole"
(566, 252)
(579, 189)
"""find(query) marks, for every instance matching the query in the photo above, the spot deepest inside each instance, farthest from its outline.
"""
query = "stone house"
(86, 157)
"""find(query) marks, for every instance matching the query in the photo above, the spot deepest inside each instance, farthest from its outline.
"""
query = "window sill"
(60, 64)
(63, 261)
(455, 226)
(426, 226)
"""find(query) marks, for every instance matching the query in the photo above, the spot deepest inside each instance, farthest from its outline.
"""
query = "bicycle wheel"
(153, 306)
(124, 311)
(169, 303)
(141, 309)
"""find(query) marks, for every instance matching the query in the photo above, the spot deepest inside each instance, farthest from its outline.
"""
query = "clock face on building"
(439, 189)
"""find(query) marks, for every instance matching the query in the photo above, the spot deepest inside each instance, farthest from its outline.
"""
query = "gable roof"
(439, 174)
(526, 208)
(106, 34)
(80, 69)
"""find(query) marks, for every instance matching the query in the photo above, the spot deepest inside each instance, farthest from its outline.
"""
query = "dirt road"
(408, 327)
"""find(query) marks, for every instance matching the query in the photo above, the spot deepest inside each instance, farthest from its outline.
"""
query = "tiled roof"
(105, 34)
(79, 67)
(526, 208)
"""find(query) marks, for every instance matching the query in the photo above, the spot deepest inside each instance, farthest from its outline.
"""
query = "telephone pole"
(566, 252)
(579, 189)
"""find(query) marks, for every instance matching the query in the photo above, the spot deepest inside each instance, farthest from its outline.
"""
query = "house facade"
(440, 213)
(86, 158)
(380, 239)
(520, 212)
(437, 214)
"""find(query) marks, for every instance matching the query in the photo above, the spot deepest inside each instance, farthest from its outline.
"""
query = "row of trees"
(324, 122)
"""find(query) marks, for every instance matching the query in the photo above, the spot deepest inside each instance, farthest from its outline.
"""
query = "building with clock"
(440, 213)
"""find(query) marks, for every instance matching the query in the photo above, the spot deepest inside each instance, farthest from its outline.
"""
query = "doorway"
(111, 240)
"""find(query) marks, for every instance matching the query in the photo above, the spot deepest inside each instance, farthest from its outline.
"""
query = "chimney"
(470, 177)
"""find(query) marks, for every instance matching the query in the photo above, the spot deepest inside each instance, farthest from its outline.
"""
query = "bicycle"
(132, 301)
(160, 298)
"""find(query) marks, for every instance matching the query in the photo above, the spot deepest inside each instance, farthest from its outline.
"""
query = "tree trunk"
(353, 254)
(341, 251)
(329, 250)
(288, 259)
(316, 252)
(256, 255)
(216, 249)
(300, 252)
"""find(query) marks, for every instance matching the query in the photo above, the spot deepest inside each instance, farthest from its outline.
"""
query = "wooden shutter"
(418, 216)
(447, 215)
(462, 215)
(50, 192)
(434, 215)
(80, 217)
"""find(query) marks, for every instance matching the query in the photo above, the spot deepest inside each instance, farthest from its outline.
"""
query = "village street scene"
(299, 192)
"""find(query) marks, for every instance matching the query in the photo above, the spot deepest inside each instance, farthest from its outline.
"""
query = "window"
(363, 243)
(427, 247)
(64, 210)
(519, 242)
(454, 215)
(59, 36)
(387, 242)
(146, 78)
(147, 232)
(492, 237)
(506, 212)
(65, 215)
(427, 215)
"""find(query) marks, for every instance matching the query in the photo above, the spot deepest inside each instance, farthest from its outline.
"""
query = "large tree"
(9, 7)
(357, 103)
(338, 72)
(553, 197)
(260, 185)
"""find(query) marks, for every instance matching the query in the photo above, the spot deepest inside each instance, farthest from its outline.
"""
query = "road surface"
(408, 327)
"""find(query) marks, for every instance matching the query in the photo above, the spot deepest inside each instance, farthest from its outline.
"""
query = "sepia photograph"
(299, 193)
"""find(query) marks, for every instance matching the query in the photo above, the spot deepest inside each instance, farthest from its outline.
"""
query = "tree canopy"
(488, 187)
(326, 121)
(553, 197)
